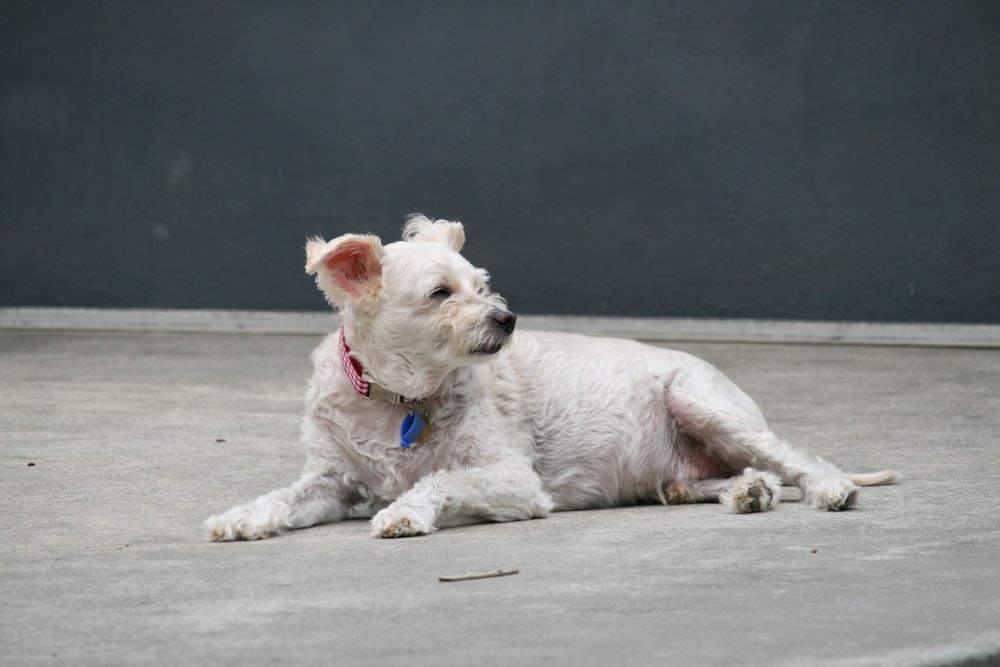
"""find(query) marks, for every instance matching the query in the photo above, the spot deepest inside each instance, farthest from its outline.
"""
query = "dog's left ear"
(348, 269)
(420, 228)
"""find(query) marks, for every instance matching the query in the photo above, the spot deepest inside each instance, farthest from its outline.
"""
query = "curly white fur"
(522, 424)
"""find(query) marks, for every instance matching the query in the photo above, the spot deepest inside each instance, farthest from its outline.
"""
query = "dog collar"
(416, 426)
(364, 385)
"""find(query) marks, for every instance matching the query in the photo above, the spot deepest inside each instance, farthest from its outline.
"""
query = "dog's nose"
(505, 319)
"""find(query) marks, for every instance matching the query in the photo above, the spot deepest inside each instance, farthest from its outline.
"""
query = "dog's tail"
(876, 478)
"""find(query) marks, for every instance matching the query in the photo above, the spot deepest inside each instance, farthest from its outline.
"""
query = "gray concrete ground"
(114, 447)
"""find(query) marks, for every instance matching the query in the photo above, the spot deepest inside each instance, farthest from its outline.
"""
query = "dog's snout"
(505, 319)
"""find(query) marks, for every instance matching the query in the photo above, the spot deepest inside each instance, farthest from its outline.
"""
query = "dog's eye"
(441, 293)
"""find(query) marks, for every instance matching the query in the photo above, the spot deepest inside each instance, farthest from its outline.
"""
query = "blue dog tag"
(410, 429)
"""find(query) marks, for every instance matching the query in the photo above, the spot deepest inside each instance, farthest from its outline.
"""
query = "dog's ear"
(420, 228)
(348, 268)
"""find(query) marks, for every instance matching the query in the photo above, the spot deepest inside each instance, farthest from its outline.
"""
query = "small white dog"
(427, 407)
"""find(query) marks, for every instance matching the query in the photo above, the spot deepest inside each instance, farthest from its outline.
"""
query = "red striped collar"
(356, 374)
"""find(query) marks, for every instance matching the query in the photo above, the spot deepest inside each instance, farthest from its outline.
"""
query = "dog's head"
(413, 310)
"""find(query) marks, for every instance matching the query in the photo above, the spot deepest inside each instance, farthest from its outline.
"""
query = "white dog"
(427, 407)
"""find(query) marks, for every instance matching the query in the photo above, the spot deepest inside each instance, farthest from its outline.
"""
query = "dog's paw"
(403, 521)
(832, 493)
(240, 523)
(755, 491)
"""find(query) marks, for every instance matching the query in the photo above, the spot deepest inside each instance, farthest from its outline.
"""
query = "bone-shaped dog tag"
(425, 434)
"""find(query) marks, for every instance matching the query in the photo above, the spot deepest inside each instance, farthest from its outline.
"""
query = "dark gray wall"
(815, 160)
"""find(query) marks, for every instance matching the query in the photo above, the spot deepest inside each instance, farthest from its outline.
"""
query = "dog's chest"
(367, 440)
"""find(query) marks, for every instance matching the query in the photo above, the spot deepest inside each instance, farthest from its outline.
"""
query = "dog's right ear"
(421, 228)
(348, 268)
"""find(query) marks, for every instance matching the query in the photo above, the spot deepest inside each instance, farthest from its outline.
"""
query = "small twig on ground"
(479, 575)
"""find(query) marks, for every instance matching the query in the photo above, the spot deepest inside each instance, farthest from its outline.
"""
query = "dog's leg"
(311, 500)
(505, 491)
(716, 413)
(753, 491)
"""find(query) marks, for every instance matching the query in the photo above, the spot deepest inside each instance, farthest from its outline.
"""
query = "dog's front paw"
(832, 493)
(240, 523)
(403, 521)
(755, 491)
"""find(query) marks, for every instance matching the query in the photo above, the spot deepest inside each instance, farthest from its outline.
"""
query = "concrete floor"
(114, 447)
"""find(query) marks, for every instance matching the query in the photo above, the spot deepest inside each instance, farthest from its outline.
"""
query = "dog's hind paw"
(400, 522)
(754, 491)
(832, 493)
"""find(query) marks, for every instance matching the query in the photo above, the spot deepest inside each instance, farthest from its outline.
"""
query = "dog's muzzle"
(499, 325)
(505, 320)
